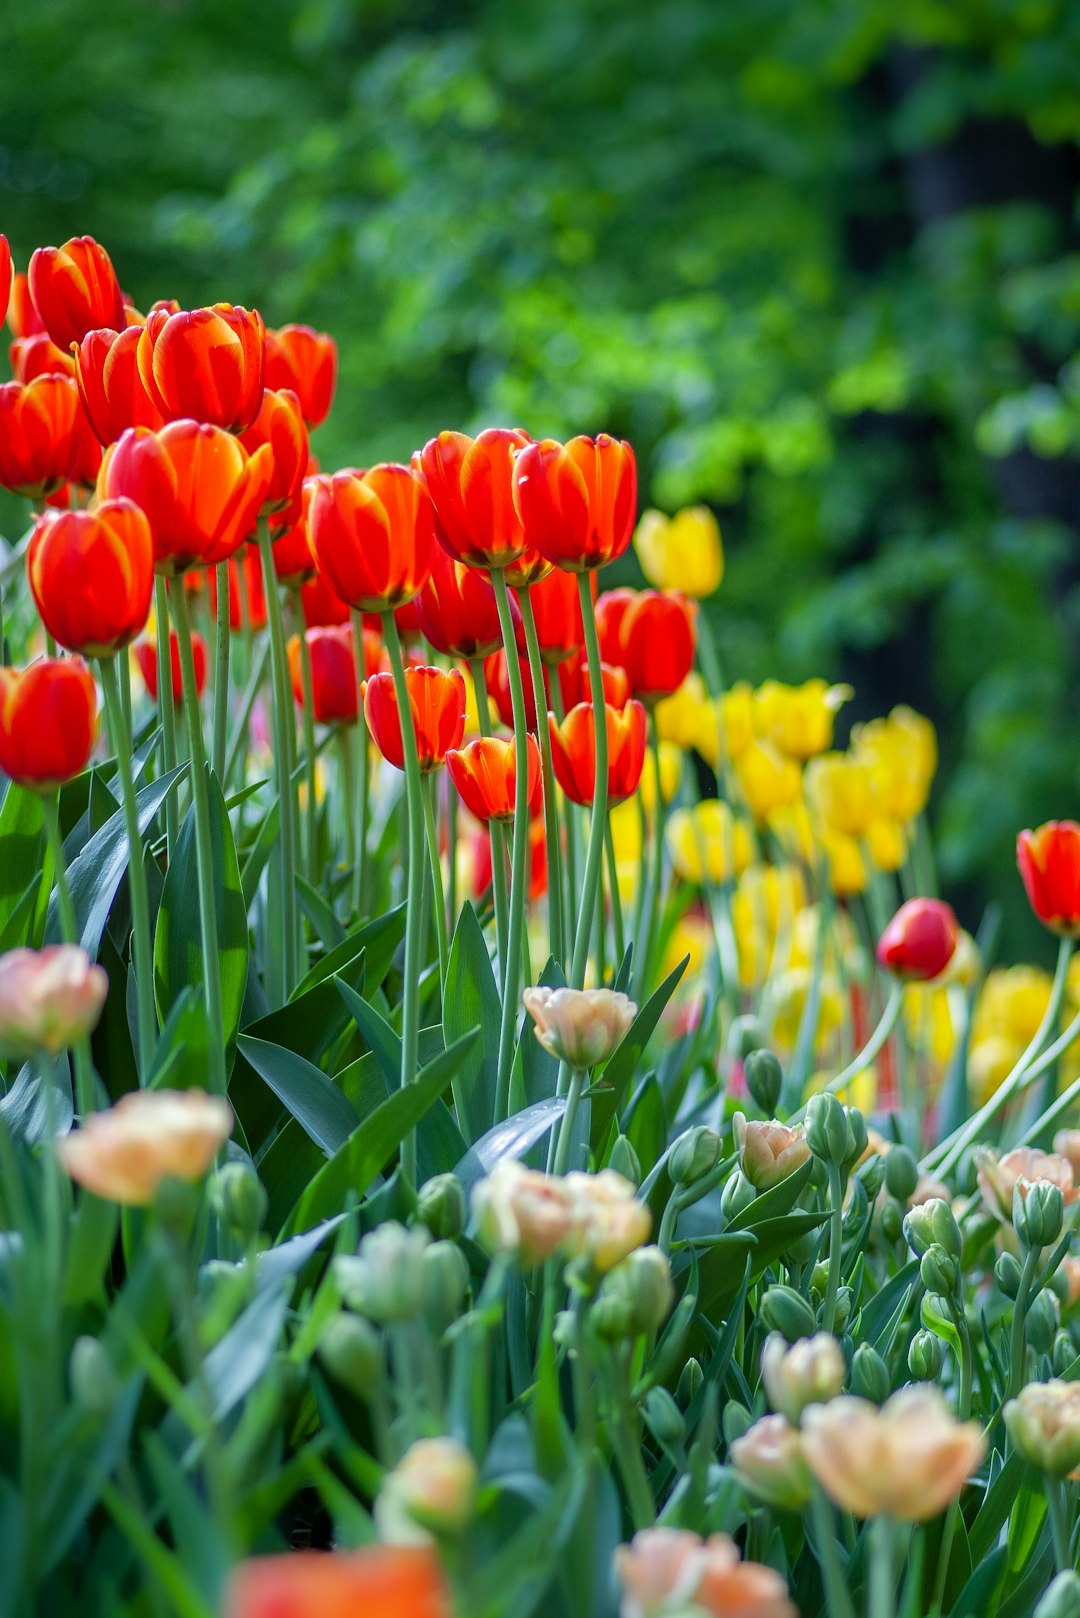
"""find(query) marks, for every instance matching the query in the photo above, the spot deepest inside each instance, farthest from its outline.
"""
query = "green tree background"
(820, 262)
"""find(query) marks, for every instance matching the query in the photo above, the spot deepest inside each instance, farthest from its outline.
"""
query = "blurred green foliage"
(820, 262)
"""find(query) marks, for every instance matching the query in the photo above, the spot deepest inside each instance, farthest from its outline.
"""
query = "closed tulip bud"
(1062, 1353)
(239, 1199)
(872, 1177)
(372, 534)
(663, 1417)
(446, 1281)
(901, 1173)
(1038, 1212)
(857, 1137)
(75, 290)
(920, 941)
(48, 722)
(351, 1354)
(892, 1220)
(769, 1460)
(769, 1152)
(926, 1357)
(1062, 1599)
(764, 1079)
(204, 365)
(441, 1206)
(92, 574)
(745, 1035)
(1049, 862)
(736, 1196)
(786, 1311)
(432, 1490)
(305, 361)
(933, 1222)
(826, 1129)
(810, 1371)
(939, 1271)
(735, 1421)
(695, 1154)
(1041, 1322)
(636, 1296)
(576, 501)
(385, 1279)
(843, 1309)
(95, 1386)
(485, 774)
(869, 1375)
(1044, 1424)
(624, 1160)
(573, 748)
(1007, 1274)
(691, 1380)
(582, 1027)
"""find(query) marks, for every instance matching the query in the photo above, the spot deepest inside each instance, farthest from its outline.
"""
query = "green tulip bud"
(744, 1036)
(1059, 1286)
(735, 1421)
(95, 1385)
(1063, 1353)
(664, 1418)
(385, 1280)
(843, 1308)
(1041, 1322)
(446, 1281)
(625, 1161)
(872, 1176)
(856, 1209)
(176, 1204)
(869, 1375)
(635, 1297)
(827, 1129)
(239, 1199)
(926, 1357)
(939, 1271)
(933, 1223)
(737, 1195)
(784, 1310)
(1062, 1598)
(691, 1378)
(1007, 1274)
(901, 1173)
(224, 1291)
(892, 1220)
(695, 1154)
(1038, 1212)
(764, 1079)
(351, 1354)
(441, 1207)
(858, 1140)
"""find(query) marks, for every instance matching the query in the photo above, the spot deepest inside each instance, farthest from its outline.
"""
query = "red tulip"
(470, 481)
(1049, 861)
(146, 657)
(48, 722)
(481, 873)
(333, 670)
(437, 700)
(23, 318)
(372, 534)
(111, 386)
(557, 611)
(280, 424)
(577, 501)
(573, 750)
(381, 1581)
(39, 442)
(650, 634)
(7, 275)
(37, 356)
(204, 364)
(575, 685)
(305, 361)
(294, 563)
(248, 559)
(485, 774)
(197, 484)
(321, 605)
(86, 454)
(497, 677)
(919, 941)
(92, 575)
(75, 290)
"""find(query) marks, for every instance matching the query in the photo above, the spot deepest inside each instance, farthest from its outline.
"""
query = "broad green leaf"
(313, 1099)
(378, 938)
(511, 1139)
(618, 1074)
(21, 838)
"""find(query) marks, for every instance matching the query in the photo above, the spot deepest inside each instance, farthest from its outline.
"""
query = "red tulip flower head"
(485, 774)
(321, 605)
(75, 290)
(111, 386)
(48, 722)
(650, 634)
(92, 575)
(39, 423)
(23, 318)
(280, 424)
(456, 609)
(304, 361)
(402, 1580)
(573, 751)
(919, 941)
(497, 679)
(200, 489)
(578, 500)
(146, 658)
(470, 481)
(557, 612)
(1049, 861)
(294, 563)
(373, 535)
(437, 700)
(204, 364)
(334, 695)
(576, 686)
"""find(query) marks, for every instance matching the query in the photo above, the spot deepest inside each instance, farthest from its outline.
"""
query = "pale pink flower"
(49, 999)
(769, 1152)
(124, 1153)
(998, 1176)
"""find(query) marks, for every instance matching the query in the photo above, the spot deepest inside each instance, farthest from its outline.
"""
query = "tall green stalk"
(495, 831)
(69, 932)
(166, 705)
(221, 671)
(594, 857)
(435, 860)
(519, 864)
(360, 801)
(551, 808)
(283, 750)
(204, 853)
(307, 719)
(140, 904)
(656, 873)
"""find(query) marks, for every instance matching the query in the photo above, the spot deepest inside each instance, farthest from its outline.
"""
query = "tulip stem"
(1017, 1339)
(140, 904)
(520, 858)
(836, 1244)
(359, 881)
(838, 1602)
(616, 898)
(595, 854)
(551, 810)
(410, 1032)
(566, 1123)
(656, 876)
(496, 835)
(282, 694)
(1057, 1510)
(204, 853)
(882, 1560)
(307, 720)
(166, 706)
(241, 737)
(69, 932)
(436, 875)
(347, 766)
(221, 671)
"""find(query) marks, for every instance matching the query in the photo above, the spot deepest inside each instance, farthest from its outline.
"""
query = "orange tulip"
(333, 670)
(485, 774)
(146, 658)
(577, 501)
(381, 1580)
(372, 534)
(75, 290)
(204, 364)
(23, 318)
(573, 747)
(92, 575)
(305, 361)
(481, 871)
(497, 677)
(1049, 861)
(457, 609)
(321, 605)
(48, 722)
(7, 275)
(110, 385)
(437, 700)
(198, 486)
(248, 559)
(575, 685)
(470, 481)
(280, 424)
(557, 611)
(37, 355)
(294, 563)
(39, 423)
(650, 634)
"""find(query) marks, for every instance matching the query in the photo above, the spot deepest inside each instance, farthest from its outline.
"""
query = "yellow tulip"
(798, 719)
(847, 869)
(1012, 1002)
(679, 718)
(707, 843)
(472, 717)
(990, 1060)
(769, 896)
(768, 779)
(626, 837)
(785, 1000)
(928, 1021)
(692, 935)
(860, 1091)
(684, 552)
(838, 792)
(670, 775)
(899, 755)
(793, 829)
(886, 843)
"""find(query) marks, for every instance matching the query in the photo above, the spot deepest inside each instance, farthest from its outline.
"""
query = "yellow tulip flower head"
(928, 1020)
(785, 1000)
(768, 779)
(838, 792)
(798, 719)
(847, 868)
(679, 718)
(670, 773)
(707, 843)
(793, 829)
(886, 843)
(684, 552)
(899, 755)
(625, 820)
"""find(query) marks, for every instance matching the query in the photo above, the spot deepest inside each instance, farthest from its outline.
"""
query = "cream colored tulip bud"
(384, 1279)
(125, 1153)
(611, 1222)
(670, 1570)
(769, 1152)
(770, 1461)
(998, 1176)
(521, 1211)
(431, 1492)
(907, 1460)
(582, 1027)
(811, 1371)
(49, 999)
(1044, 1424)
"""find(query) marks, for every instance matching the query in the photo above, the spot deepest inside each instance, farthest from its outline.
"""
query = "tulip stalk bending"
(140, 904)
(551, 810)
(519, 866)
(282, 700)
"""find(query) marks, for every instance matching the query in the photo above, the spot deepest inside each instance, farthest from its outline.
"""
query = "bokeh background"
(821, 263)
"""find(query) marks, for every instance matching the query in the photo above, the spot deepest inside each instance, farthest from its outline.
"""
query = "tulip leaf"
(619, 1071)
(21, 829)
(775, 1202)
(319, 1106)
(471, 1002)
(511, 1139)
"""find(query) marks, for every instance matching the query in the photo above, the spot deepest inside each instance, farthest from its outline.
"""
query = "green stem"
(519, 867)
(595, 854)
(307, 720)
(238, 747)
(873, 1045)
(204, 853)
(838, 1602)
(140, 903)
(359, 883)
(656, 875)
(1017, 1336)
(166, 705)
(616, 900)
(436, 875)
(495, 830)
(551, 811)
(566, 1124)
(283, 728)
(221, 671)
(410, 1030)
(346, 765)
(836, 1239)
(569, 817)
(1057, 1510)
(69, 932)
(882, 1561)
